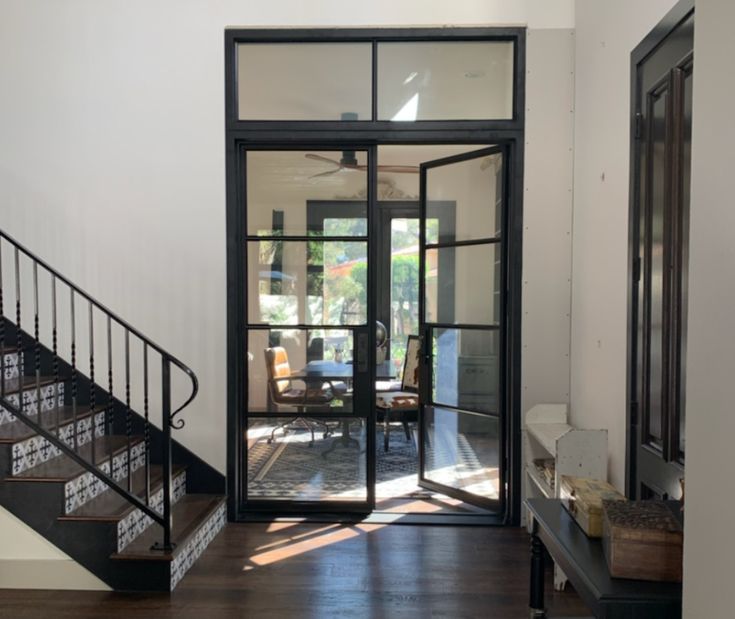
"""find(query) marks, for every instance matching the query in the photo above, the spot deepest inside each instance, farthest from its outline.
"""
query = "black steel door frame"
(426, 330)
(334, 135)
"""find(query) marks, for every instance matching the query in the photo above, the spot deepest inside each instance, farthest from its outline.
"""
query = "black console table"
(583, 562)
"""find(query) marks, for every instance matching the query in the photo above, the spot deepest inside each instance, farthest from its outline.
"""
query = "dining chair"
(283, 391)
(403, 404)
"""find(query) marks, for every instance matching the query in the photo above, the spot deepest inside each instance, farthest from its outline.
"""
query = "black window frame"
(241, 135)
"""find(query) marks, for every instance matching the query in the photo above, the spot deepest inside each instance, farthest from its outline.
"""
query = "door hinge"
(638, 129)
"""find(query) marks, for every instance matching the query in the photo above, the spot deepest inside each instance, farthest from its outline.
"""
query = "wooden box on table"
(583, 499)
(642, 540)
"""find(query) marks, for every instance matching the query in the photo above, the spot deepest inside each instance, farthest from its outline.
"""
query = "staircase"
(87, 457)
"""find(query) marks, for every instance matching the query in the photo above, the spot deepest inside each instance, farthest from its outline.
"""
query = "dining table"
(336, 373)
(326, 370)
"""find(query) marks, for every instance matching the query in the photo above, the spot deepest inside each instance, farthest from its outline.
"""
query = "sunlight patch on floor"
(314, 539)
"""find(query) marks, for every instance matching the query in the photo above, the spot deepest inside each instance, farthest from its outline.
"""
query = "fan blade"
(316, 157)
(399, 169)
(325, 173)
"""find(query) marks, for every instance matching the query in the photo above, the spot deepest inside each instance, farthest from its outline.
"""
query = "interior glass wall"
(324, 248)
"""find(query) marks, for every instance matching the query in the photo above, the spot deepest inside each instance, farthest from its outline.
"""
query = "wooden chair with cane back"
(401, 405)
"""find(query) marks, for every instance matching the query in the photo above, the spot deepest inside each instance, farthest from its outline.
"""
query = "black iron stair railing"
(20, 257)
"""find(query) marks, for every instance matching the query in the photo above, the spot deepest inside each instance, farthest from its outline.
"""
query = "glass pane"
(656, 262)
(463, 284)
(301, 192)
(312, 372)
(314, 283)
(463, 451)
(461, 80)
(341, 226)
(292, 468)
(398, 177)
(304, 81)
(468, 194)
(404, 287)
(465, 369)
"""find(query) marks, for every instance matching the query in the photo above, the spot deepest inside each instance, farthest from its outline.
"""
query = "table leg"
(345, 440)
(537, 577)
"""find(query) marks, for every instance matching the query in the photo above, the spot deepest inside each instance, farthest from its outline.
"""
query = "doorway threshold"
(381, 518)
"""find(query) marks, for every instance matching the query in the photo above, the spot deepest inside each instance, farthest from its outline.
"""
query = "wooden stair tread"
(13, 385)
(188, 515)
(18, 431)
(63, 468)
(110, 506)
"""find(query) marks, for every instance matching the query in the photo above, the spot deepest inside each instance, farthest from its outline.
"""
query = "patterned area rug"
(290, 469)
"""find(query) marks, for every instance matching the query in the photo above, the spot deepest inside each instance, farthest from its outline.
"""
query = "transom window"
(400, 81)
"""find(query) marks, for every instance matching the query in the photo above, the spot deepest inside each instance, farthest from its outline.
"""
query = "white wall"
(708, 547)
(606, 33)
(547, 216)
(112, 160)
(28, 561)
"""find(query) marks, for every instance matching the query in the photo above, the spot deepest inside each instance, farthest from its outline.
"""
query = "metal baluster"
(54, 345)
(167, 546)
(92, 386)
(146, 430)
(2, 329)
(18, 334)
(73, 371)
(37, 345)
(128, 416)
(110, 409)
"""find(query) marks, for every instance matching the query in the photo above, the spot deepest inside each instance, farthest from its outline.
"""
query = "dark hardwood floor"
(284, 570)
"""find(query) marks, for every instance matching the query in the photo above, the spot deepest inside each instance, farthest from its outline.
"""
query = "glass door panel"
(462, 284)
(283, 185)
(308, 372)
(315, 282)
(462, 452)
(465, 369)
(404, 287)
(469, 184)
(461, 323)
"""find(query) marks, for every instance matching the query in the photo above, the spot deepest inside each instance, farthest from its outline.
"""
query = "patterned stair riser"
(12, 367)
(197, 545)
(36, 450)
(87, 486)
(136, 522)
(51, 397)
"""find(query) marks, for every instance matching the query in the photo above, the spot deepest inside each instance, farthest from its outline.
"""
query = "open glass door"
(462, 275)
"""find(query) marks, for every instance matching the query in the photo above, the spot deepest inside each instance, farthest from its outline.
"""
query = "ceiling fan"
(349, 162)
